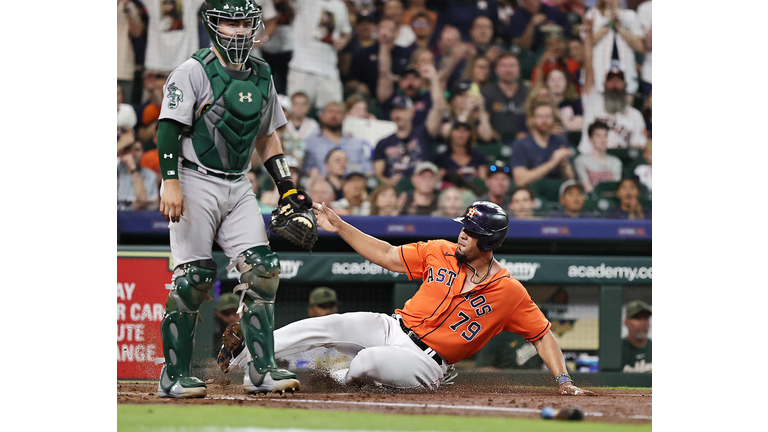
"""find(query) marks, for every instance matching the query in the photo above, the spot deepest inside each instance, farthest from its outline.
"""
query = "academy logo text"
(521, 271)
(364, 268)
(606, 272)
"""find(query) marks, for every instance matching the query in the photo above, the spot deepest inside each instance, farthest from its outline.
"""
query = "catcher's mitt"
(294, 220)
(232, 345)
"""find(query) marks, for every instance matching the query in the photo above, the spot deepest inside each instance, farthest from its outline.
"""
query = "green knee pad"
(192, 283)
(262, 267)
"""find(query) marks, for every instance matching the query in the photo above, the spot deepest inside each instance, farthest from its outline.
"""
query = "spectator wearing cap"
(461, 157)
(381, 58)
(331, 137)
(363, 37)
(598, 166)
(225, 314)
(626, 123)
(336, 162)
(416, 7)
(299, 127)
(497, 181)
(422, 200)
(322, 301)
(616, 36)
(628, 193)
(426, 104)
(521, 203)
(530, 23)
(467, 105)
(354, 199)
(395, 156)
(571, 202)
(423, 27)
(504, 99)
(636, 346)
(541, 154)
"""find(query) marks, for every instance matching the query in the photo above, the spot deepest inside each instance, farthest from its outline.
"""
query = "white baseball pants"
(383, 354)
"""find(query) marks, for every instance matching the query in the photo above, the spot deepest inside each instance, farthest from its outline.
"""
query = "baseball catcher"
(220, 106)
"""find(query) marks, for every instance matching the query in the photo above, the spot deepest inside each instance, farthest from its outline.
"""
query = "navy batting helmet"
(488, 220)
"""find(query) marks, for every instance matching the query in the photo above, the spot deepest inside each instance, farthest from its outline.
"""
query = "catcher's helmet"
(234, 48)
(488, 220)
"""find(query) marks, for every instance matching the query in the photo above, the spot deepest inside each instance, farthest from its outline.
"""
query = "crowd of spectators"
(418, 107)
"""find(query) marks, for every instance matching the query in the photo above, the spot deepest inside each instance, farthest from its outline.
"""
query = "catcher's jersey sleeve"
(457, 325)
(185, 91)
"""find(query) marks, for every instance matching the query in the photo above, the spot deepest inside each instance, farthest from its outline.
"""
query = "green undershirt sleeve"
(168, 148)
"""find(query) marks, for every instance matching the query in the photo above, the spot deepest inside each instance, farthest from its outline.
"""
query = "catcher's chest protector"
(225, 133)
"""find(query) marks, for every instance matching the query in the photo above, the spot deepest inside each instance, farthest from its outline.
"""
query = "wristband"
(563, 378)
(277, 167)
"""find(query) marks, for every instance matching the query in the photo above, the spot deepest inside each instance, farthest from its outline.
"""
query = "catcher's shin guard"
(192, 282)
(260, 268)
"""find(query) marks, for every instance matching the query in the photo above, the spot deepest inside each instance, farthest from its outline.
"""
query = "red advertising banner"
(141, 295)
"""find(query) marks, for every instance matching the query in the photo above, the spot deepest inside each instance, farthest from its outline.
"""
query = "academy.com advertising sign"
(351, 267)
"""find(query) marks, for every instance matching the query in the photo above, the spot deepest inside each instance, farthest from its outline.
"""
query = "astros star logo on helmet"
(471, 212)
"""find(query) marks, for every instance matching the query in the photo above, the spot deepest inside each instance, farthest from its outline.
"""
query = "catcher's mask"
(489, 221)
(236, 47)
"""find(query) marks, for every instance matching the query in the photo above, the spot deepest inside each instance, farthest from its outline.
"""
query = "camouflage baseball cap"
(228, 301)
(322, 295)
(637, 306)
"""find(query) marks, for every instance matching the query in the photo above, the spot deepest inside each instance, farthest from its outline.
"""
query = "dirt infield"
(319, 392)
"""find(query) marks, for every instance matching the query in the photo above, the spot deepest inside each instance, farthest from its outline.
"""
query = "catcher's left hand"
(294, 220)
(568, 388)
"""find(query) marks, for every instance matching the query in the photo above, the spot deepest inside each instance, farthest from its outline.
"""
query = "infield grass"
(160, 418)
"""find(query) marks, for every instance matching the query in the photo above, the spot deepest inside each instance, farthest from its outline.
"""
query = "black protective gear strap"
(277, 167)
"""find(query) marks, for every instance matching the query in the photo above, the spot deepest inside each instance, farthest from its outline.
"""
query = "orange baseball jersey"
(457, 325)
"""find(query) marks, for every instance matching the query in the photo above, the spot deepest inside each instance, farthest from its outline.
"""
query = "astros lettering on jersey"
(457, 325)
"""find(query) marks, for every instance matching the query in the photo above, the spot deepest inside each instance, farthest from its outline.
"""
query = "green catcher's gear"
(259, 268)
(225, 132)
(192, 281)
(235, 48)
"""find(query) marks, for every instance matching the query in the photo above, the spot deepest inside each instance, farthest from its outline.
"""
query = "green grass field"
(160, 418)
